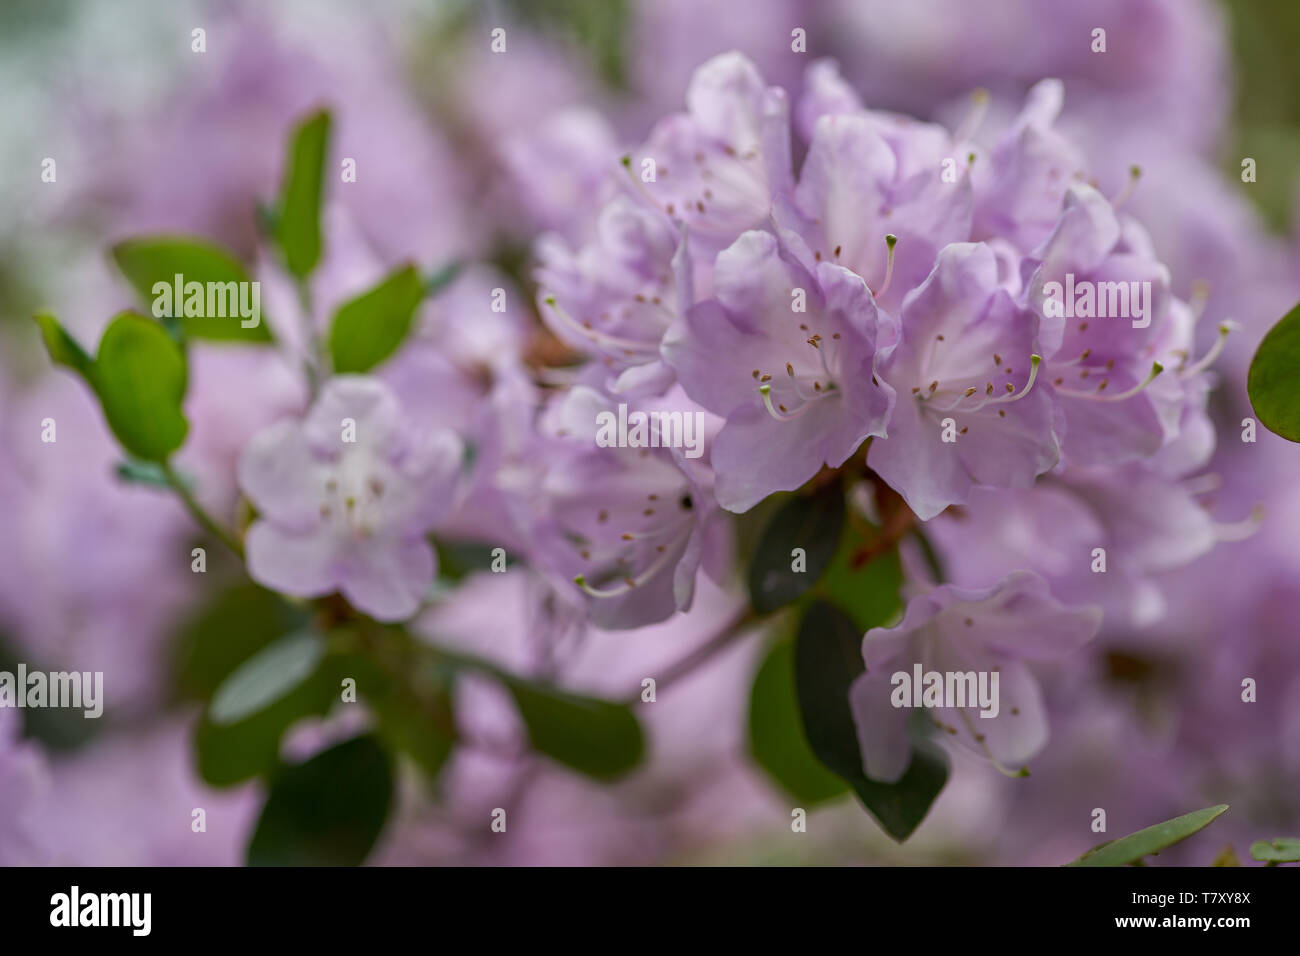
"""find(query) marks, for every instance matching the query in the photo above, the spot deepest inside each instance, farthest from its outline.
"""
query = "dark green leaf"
(1281, 850)
(867, 590)
(369, 328)
(415, 714)
(596, 737)
(328, 811)
(140, 376)
(776, 738)
(298, 220)
(231, 753)
(228, 631)
(151, 260)
(63, 348)
(828, 657)
(265, 677)
(811, 522)
(1274, 379)
(1132, 848)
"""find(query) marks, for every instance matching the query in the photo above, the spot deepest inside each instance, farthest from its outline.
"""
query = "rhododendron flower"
(965, 369)
(955, 630)
(788, 357)
(1098, 365)
(345, 498)
(629, 524)
(871, 175)
(615, 298)
(718, 165)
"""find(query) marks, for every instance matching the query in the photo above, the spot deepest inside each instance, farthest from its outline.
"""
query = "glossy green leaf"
(1281, 850)
(776, 738)
(828, 657)
(595, 737)
(150, 260)
(225, 632)
(327, 811)
(1153, 839)
(227, 754)
(812, 523)
(1274, 379)
(265, 677)
(140, 376)
(369, 328)
(298, 226)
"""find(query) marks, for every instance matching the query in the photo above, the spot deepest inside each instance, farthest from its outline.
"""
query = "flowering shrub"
(920, 406)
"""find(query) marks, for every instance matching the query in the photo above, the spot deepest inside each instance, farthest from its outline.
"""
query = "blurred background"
(468, 156)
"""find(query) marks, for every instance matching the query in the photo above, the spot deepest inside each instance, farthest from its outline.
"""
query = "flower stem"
(204, 520)
(731, 632)
(312, 341)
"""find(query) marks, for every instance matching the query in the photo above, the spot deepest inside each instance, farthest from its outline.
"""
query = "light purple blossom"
(797, 386)
(24, 783)
(1098, 366)
(952, 630)
(965, 370)
(615, 297)
(718, 166)
(868, 175)
(345, 497)
(630, 524)
(1020, 184)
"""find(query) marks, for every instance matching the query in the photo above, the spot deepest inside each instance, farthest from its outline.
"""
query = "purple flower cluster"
(976, 312)
(981, 325)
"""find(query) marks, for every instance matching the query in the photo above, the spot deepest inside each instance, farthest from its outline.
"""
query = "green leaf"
(1281, 850)
(298, 217)
(225, 633)
(368, 329)
(828, 657)
(140, 376)
(415, 715)
(265, 677)
(63, 348)
(811, 522)
(776, 738)
(868, 591)
(231, 753)
(595, 737)
(1274, 379)
(1153, 839)
(327, 811)
(150, 260)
